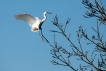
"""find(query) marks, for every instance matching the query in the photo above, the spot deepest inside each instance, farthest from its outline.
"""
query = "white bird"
(35, 23)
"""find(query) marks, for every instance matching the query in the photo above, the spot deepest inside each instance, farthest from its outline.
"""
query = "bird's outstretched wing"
(26, 17)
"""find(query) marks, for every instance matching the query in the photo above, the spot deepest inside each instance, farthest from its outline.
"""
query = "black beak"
(49, 13)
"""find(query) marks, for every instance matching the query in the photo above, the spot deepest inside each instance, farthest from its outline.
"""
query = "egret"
(34, 22)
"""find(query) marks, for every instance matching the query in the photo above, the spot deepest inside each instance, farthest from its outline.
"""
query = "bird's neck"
(44, 17)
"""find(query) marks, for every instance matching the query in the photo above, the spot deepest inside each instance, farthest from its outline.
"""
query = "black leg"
(42, 36)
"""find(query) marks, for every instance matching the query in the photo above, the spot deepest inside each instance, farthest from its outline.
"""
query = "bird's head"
(44, 14)
(47, 13)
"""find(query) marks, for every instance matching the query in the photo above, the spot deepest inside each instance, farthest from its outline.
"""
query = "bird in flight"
(34, 22)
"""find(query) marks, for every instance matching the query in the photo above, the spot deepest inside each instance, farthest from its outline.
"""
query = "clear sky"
(23, 50)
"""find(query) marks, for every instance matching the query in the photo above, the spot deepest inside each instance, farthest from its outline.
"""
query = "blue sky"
(23, 50)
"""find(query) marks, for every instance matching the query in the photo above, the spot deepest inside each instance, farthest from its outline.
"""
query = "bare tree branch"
(62, 56)
(58, 52)
(96, 10)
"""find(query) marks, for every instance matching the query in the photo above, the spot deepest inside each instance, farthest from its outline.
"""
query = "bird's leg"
(42, 36)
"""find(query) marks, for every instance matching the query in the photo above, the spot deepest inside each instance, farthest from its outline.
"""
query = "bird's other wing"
(36, 18)
(26, 17)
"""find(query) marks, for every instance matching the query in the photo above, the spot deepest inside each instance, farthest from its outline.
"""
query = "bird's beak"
(49, 13)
